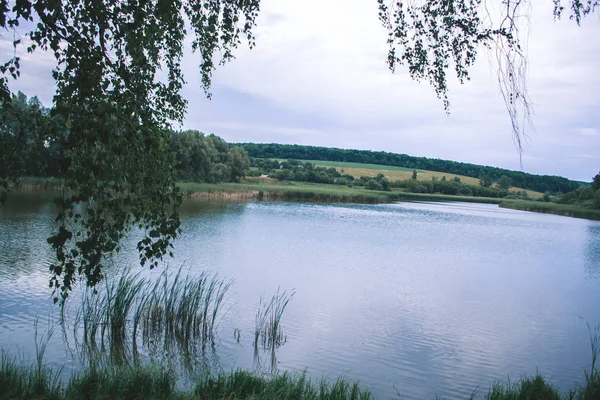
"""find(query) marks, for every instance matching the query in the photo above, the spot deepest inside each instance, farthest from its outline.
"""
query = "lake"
(415, 299)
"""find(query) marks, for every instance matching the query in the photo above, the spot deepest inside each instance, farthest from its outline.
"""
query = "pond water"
(416, 299)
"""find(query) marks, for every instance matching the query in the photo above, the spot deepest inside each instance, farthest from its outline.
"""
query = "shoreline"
(323, 193)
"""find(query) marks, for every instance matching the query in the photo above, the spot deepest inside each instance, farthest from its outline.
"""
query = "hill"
(538, 183)
(400, 173)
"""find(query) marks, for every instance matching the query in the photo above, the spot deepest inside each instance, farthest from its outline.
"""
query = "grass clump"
(268, 328)
(184, 310)
(137, 382)
(241, 385)
(153, 382)
(527, 388)
(36, 381)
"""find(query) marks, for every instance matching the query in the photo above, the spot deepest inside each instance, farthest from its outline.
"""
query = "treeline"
(586, 196)
(30, 139)
(295, 170)
(540, 183)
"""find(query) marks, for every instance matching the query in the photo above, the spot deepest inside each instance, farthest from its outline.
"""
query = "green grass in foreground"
(152, 382)
(551, 208)
(155, 383)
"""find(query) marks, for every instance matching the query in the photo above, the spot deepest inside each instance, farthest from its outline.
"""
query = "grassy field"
(399, 173)
(551, 208)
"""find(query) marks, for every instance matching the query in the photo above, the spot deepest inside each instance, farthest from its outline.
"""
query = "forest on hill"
(539, 183)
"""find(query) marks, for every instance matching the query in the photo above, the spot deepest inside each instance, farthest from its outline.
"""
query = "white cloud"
(589, 132)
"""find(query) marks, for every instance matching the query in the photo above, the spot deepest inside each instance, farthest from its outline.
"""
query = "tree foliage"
(504, 182)
(596, 182)
(118, 78)
(25, 140)
(203, 158)
(432, 37)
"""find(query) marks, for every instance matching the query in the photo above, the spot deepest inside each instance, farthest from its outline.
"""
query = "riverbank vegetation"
(19, 381)
(581, 203)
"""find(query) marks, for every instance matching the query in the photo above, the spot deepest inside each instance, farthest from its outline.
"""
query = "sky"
(318, 77)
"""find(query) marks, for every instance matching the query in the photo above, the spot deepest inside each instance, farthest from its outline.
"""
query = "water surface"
(412, 298)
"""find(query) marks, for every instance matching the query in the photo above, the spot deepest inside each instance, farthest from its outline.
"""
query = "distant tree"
(597, 199)
(385, 183)
(414, 175)
(444, 178)
(434, 178)
(456, 179)
(239, 163)
(485, 181)
(546, 197)
(372, 184)
(504, 182)
(596, 182)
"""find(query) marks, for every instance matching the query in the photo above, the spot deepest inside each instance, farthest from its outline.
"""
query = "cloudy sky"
(318, 77)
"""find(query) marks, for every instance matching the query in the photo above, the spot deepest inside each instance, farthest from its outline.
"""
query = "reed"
(268, 321)
(179, 309)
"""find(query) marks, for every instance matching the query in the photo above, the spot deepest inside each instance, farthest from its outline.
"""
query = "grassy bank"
(551, 208)
(152, 382)
(155, 383)
(271, 190)
(444, 197)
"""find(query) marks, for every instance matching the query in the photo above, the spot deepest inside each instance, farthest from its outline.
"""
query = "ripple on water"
(410, 298)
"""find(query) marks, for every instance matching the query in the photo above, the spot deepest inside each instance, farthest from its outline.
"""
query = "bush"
(372, 184)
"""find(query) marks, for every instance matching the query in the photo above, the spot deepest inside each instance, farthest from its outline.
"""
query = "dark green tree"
(372, 184)
(504, 182)
(118, 78)
(239, 163)
(414, 175)
(485, 181)
(596, 182)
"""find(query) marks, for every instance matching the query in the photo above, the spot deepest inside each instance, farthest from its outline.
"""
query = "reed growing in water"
(268, 321)
(174, 309)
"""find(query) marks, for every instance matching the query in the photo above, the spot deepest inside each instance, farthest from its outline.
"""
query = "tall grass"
(568, 210)
(268, 328)
(295, 191)
(245, 385)
(18, 381)
(155, 382)
(175, 309)
(527, 388)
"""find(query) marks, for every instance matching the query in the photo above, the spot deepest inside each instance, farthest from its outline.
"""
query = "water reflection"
(417, 297)
(592, 258)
